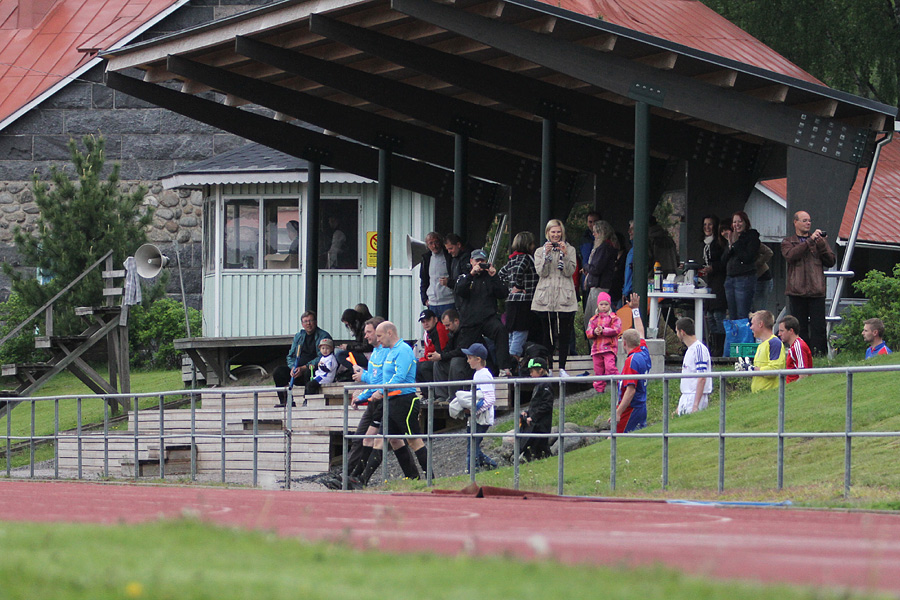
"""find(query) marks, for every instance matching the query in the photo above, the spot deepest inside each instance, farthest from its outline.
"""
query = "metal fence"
(107, 436)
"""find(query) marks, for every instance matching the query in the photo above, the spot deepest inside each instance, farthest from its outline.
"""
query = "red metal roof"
(880, 223)
(34, 59)
(691, 23)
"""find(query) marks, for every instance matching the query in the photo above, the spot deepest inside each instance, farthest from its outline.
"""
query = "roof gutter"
(854, 232)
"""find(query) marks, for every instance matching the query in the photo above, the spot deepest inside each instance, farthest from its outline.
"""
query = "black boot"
(407, 463)
(371, 466)
(422, 457)
(356, 468)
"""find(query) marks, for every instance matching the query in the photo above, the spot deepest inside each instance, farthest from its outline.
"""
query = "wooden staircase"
(109, 322)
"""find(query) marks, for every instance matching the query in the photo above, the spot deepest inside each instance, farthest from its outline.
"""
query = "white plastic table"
(698, 299)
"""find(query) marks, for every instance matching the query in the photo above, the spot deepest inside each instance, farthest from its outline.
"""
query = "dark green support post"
(383, 227)
(460, 182)
(548, 170)
(312, 237)
(641, 202)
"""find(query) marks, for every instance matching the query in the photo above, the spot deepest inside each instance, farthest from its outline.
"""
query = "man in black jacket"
(450, 363)
(477, 293)
(459, 257)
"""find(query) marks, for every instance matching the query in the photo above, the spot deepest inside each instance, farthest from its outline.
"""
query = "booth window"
(339, 233)
(270, 242)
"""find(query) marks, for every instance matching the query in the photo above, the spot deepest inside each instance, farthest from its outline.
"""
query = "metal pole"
(255, 437)
(56, 439)
(429, 475)
(562, 440)
(854, 233)
(222, 440)
(105, 439)
(31, 441)
(470, 466)
(383, 263)
(345, 445)
(665, 441)
(289, 438)
(721, 435)
(517, 409)
(548, 169)
(162, 439)
(780, 432)
(460, 182)
(613, 424)
(313, 202)
(137, 437)
(193, 436)
(848, 427)
(641, 200)
(78, 435)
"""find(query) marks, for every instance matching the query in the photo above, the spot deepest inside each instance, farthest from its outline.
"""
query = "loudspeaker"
(150, 261)
(415, 250)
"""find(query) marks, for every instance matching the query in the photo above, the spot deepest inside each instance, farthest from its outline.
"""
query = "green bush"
(883, 292)
(153, 327)
(20, 348)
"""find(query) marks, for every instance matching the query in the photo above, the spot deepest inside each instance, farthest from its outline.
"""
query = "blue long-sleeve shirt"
(373, 372)
(399, 367)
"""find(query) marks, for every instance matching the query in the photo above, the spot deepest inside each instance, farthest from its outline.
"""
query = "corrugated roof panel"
(52, 45)
(691, 23)
(881, 222)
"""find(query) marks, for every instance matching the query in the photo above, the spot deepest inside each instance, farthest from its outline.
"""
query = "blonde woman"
(555, 300)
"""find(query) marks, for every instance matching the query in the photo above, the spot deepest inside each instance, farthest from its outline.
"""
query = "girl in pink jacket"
(603, 330)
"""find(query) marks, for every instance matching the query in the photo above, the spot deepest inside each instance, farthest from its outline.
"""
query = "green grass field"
(185, 559)
(814, 468)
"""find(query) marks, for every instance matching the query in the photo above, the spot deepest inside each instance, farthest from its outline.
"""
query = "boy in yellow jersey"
(770, 352)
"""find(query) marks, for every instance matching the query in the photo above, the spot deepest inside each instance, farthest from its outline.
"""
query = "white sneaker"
(562, 373)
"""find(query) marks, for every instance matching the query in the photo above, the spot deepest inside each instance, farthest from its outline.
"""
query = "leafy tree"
(883, 292)
(153, 328)
(851, 45)
(80, 220)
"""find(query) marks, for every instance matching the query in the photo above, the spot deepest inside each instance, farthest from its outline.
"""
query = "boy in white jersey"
(694, 391)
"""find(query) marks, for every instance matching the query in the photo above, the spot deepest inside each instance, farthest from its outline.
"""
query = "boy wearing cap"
(603, 330)
(326, 366)
(483, 418)
(539, 416)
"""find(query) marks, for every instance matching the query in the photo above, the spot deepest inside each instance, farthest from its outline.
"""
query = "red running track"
(858, 550)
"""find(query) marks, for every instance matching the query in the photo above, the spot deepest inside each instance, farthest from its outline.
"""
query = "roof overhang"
(408, 75)
(200, 180)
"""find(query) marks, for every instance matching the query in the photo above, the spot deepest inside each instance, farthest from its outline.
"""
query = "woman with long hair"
(521, 278)
(555, 300)
(712, 270)
(601, 268)
(355, 322)
(740, 266)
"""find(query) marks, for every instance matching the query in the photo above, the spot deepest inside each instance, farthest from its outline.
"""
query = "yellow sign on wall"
(372, 249)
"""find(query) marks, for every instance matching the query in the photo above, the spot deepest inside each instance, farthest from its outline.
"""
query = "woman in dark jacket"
(601, 268)
(713, 272)
(521, 278)
(740, 266)
(355, 322)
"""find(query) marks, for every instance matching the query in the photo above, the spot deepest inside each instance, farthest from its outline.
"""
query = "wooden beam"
(601, 43)
(667, 89)
(772, 93)
(724, 78)
(823, 108)
(663, 60)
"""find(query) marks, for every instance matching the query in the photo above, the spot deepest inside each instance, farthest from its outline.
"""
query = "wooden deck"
(315, 441)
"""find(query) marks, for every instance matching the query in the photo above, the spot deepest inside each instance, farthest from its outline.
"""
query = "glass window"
(242, 234)
(281, 231)
(339, 233)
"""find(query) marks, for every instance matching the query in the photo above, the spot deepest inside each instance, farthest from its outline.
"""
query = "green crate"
(743, 350)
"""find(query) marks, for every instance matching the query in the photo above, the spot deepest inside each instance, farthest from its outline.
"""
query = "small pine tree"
(80, 220)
